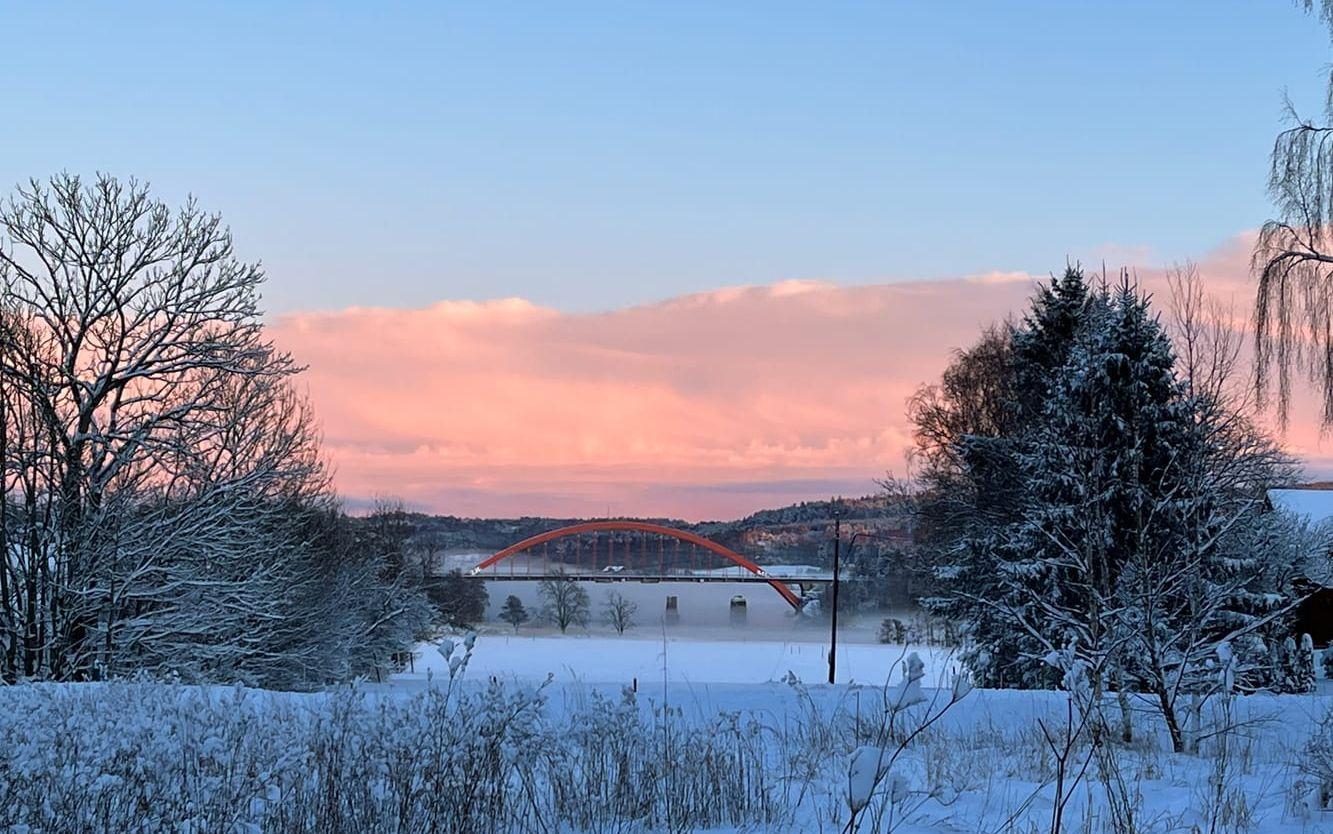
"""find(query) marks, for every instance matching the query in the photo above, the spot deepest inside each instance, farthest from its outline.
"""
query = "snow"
(1314, 505)
(621, 660)
(775, 571)
(908, 693)
(982, 766)
(869, 765)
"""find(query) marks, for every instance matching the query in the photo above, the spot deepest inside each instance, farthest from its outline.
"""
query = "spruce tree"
(1112, 509)
(1043, 343)
(1134, 545)
(1102, 484)
(976, 490)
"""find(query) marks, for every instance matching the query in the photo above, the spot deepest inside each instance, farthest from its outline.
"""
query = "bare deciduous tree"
(565, 603)
(159, 471)
(619, 612)
(1208, 335)
(1293, 257)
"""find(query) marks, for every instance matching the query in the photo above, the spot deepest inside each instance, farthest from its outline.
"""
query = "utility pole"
(833, 627)
(837, 548)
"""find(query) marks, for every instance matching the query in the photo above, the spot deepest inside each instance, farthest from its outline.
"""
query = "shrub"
(892, 631)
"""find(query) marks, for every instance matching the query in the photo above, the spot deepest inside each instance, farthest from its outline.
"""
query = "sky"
(680, 258)
(702, 406)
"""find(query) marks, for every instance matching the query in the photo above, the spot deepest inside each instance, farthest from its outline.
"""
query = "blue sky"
(593, 155)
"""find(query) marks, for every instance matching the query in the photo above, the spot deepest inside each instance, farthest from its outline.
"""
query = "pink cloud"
(703, 406)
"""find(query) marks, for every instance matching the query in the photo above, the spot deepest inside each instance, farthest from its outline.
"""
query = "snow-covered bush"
(461, 756)
(144, 757)
(817, 733)
(610, 762)
(887, 777)
(1316, 762)
(1305, 665)
(456, 757)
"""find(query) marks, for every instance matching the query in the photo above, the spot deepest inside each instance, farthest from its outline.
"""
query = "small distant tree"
(425, 550)
(513, 612)
(565, 603)
(387, 531)
(892, 630)
(619, 612)
(461, 600)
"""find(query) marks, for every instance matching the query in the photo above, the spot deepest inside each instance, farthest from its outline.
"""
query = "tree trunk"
(1169, 716)
(1122, 697)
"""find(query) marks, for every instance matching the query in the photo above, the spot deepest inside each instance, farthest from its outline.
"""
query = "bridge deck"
(617, 562)
(630, 577)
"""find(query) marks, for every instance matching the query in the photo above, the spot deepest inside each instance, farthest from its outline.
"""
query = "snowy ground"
(988, 751)
(676, 659)
(727, 742)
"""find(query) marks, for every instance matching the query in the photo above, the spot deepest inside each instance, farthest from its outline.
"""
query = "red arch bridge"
(639, 551)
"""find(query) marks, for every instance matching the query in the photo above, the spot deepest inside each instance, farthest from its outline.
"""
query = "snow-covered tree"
(1129, 525)
(161, 476)
(972, 432)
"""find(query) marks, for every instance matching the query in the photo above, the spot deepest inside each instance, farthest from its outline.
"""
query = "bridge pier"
(738, 610)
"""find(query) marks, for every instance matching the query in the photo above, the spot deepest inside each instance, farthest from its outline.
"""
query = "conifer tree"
(1117, 517)
(513, 612)
(461, 600)
(972, 467)
(1100, 474)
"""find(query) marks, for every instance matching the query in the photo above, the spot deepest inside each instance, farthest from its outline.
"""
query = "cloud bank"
(703, 406)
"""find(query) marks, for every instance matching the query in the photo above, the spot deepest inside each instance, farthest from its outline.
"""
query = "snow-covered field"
(730, 742)
(676, 659)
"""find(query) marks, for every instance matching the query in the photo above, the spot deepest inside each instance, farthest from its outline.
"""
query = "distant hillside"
(799, 533)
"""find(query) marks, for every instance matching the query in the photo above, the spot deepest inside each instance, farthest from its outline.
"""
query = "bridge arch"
(643, 527)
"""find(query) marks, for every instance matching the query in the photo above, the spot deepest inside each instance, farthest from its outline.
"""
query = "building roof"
(1314, 505)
